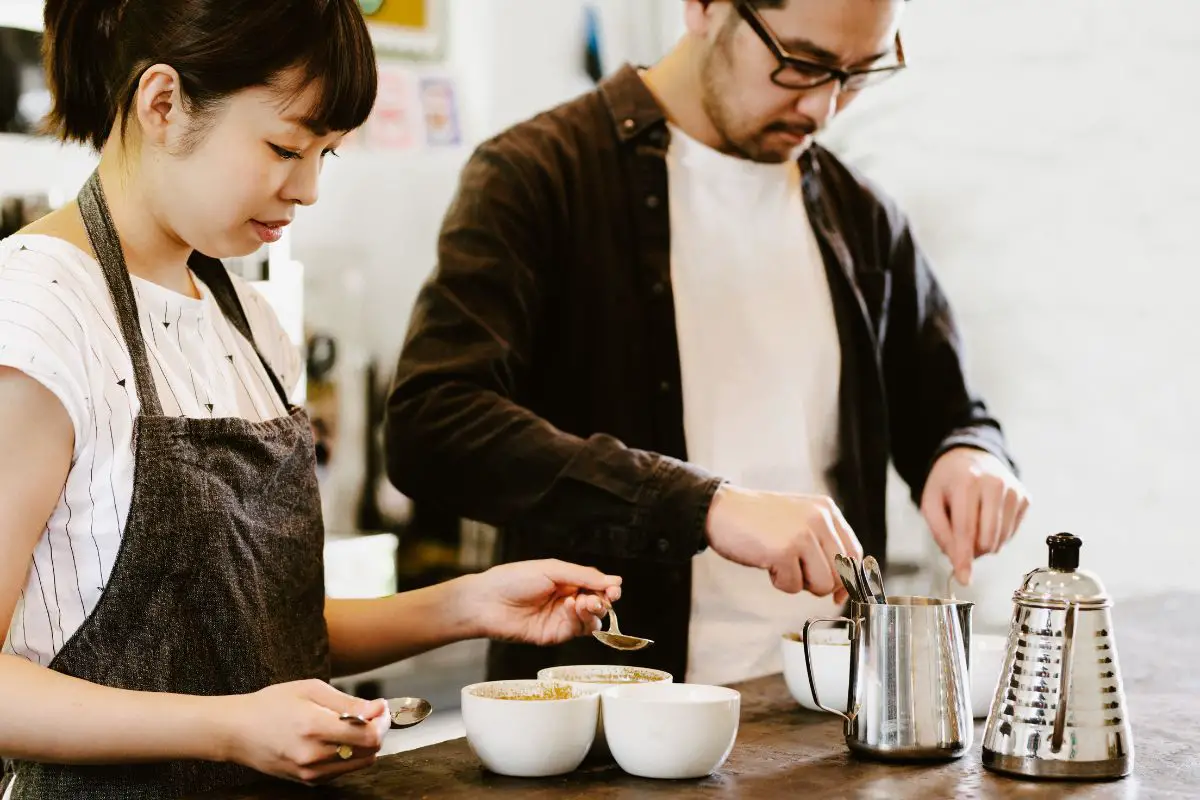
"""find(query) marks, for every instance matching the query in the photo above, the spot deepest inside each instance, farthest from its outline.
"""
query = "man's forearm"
(486, 458)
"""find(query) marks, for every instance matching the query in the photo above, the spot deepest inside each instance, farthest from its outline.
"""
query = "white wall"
(1043, 150)
(1046, 153)
(21, 14)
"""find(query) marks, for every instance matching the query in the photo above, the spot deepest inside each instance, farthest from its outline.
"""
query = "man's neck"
(676, 83)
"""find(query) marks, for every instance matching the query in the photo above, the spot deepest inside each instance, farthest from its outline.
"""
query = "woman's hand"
(539, 602)
(292, 731)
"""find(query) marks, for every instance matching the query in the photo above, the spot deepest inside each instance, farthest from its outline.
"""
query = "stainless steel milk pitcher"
(909, 695)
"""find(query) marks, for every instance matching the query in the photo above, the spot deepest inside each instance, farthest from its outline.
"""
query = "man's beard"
(753, 146)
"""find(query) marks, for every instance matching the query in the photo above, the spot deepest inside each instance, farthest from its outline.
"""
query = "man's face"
(758, 119)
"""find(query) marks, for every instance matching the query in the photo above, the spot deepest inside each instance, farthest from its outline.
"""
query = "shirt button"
(629, 124)
(664, 387)
(652, 201)
(663, 545)
(658, 289)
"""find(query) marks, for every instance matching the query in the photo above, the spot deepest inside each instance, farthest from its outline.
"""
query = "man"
(667, 330)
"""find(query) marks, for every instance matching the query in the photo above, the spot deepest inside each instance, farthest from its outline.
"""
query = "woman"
(160, 529)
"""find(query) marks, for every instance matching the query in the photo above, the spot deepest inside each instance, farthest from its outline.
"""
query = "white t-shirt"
(57, 325)
(760, 362)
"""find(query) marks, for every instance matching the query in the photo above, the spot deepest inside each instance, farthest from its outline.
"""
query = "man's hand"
(793, 537)
(973, 504)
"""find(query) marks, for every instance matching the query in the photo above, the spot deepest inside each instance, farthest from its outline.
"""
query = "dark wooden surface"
(784, 751)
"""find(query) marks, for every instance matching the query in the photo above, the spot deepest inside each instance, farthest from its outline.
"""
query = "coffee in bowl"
(601, 676)
(541, 690)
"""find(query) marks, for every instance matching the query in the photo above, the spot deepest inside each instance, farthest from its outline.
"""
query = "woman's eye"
(284, 153)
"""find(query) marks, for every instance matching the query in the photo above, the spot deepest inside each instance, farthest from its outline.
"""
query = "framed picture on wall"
(407, 29)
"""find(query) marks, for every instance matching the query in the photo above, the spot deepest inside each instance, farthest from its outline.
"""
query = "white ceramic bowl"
(515, 729)
(603, 676)
(987, 662)
(831, 667)
(671, 730)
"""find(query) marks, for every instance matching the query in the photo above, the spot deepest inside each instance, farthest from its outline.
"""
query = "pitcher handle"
(812, 682)
(1064, 681)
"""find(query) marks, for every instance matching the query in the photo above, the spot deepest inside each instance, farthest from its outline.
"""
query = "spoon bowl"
(617, 640)
(404, 711)
(409, 711)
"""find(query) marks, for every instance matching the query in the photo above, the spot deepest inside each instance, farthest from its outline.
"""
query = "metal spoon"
(405, 712)
(617, 640)
(849, 575)
(873, 576)
(409, 711)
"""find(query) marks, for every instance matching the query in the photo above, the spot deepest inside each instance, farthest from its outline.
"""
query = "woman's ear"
(158, 106)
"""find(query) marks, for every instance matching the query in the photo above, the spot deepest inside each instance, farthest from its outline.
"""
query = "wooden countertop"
(786, 752)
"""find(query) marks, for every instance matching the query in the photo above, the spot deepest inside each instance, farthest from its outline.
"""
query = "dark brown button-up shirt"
(539, 390)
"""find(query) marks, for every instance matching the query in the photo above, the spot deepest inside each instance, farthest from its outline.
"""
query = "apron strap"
(107, 245)
(216, 278)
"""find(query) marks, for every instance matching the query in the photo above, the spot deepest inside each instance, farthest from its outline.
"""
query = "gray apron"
(218, 587)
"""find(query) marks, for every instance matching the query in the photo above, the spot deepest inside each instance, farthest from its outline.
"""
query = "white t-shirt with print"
(57, 325)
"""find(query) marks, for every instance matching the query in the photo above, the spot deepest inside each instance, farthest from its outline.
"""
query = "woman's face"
(229, 186)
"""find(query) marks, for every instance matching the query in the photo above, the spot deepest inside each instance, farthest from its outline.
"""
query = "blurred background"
(1045, 150)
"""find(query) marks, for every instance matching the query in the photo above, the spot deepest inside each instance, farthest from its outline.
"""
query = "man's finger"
(819, 577)
(991, 510)
(849, 542)
(938, 519)
(787, 575)
(1008, 517)
(1022, 508)
(964, 520)
(831, 544)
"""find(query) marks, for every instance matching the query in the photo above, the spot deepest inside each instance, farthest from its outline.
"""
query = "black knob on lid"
(1064, 551)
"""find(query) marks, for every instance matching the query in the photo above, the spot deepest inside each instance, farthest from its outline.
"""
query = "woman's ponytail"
(80, 55)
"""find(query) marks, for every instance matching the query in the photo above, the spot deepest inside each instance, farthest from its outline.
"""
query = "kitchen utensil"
(909, 691)
(617, 640)
(1059, 708)
(849, 575)
(873, 577)
(408, 711)
(861, 579)
(405, 712)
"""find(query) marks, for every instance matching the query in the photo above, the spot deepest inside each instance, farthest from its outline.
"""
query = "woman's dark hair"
(97, 50)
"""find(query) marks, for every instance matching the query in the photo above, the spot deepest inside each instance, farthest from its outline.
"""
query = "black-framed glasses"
(800, 73)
